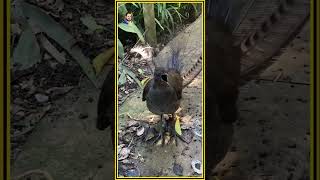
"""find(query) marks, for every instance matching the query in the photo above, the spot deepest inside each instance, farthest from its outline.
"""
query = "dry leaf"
(57, 91)
(41, 98)
(140, 131)
(102, 59)
(60, 57)
(124, 153)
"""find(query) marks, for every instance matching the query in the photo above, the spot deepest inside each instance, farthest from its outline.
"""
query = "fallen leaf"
(122, 79)
(55, 5)
(27, 52)
(120, 49)
(130, 73)
(15, 29)
(55, 31)
(186, 119)
(124, 153)
(131, 123)
(91, 23)
(84, 1)
(41, 98)
(102, 59)
(145, 81)
(60, 57)
(146, 52)
(177, 126)
(140, 131)
(140, 71)
(58, 91)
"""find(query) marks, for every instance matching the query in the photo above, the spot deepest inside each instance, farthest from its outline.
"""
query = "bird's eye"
(164, 77)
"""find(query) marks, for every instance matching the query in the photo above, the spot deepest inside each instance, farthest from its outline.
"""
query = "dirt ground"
(271, 138)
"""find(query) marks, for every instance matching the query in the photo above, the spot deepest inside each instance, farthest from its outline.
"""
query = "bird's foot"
(173, 132)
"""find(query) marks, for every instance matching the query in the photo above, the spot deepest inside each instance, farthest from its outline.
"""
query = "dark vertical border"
(315, 92)
(5, 83)
(2, 156)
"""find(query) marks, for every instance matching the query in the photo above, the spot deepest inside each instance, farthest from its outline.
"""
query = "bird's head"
(160, 75)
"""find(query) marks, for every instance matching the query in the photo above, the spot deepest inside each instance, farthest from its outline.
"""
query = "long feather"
(224, 12)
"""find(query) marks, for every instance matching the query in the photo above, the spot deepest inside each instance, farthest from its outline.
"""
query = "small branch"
(281, 81)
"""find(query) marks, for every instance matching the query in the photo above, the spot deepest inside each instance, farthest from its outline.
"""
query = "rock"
(196, 166)
(41, 98)
(177, 169)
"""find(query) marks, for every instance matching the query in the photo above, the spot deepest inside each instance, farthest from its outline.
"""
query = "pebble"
(177, 169)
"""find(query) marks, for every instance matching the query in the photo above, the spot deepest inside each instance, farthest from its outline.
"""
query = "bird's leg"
(161, 134)
(173, 132)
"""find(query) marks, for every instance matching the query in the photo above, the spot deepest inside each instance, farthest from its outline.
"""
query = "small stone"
(132, 173)
(41, 98)
(196, 166)
(177, 169)
(140, 131)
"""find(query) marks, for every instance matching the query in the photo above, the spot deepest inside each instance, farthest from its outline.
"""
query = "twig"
(277, 77)
(288, 82)
(130, 142)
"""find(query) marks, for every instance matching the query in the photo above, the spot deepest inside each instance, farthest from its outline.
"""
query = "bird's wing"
(146, 89)
(175, 80)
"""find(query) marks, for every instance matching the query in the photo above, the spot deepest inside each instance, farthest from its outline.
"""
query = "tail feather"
(175, 62)
(225, 12)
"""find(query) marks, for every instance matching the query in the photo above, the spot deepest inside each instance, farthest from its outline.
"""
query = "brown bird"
(164, 91)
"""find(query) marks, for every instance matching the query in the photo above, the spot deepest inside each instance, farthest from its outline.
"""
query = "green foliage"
(131, 27)
(168, 15)
(122, 10)
(120, 49)
(124, 72)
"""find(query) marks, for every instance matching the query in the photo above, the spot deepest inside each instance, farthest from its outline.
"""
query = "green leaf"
(131, 27)
(90, 22)
(131, 74)
(120, 49)
(145, 81)
(136, 5)
(27, 52)
(122, 9)
(122, 78)
(159, 23)
(140, 71)
(177, 126)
